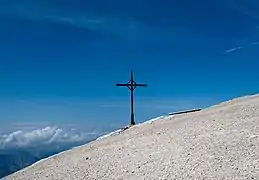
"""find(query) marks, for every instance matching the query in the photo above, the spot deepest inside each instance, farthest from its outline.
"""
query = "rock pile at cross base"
(220, 142)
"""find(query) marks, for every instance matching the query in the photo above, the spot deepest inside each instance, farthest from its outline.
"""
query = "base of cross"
(131, 125)
(132, 122)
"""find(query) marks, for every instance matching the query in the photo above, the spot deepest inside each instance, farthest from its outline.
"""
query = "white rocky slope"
(221, 142)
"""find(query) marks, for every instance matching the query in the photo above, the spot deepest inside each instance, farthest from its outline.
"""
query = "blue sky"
(60, 60)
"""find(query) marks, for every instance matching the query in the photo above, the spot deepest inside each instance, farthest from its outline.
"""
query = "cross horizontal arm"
(122, 84)
(142, 85)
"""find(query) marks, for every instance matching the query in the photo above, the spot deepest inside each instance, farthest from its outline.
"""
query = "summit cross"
(132, 85)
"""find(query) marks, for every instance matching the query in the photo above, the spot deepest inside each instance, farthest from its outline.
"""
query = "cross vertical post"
(132, 121)
(132, 85)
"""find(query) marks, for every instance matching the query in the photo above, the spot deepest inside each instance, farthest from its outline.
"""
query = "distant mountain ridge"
(15, 159)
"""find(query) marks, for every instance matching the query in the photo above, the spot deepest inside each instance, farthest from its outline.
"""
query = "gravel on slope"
(221, 142)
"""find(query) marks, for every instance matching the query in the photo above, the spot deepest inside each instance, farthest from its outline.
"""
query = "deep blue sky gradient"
(60, 60)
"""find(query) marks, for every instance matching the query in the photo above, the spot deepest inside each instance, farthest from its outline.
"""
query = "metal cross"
(132, 85)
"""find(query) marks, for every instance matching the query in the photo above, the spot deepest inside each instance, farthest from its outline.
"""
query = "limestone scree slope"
(220, 142)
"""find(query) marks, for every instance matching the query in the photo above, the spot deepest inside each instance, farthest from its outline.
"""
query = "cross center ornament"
(132, 85)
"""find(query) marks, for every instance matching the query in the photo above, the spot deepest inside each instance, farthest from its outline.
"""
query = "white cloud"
(126, 28)
(43, 136)
(241, 47)
(234, 49)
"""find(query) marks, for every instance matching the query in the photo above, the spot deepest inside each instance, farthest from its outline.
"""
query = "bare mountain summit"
(220, 142)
